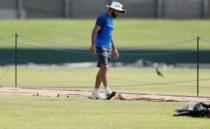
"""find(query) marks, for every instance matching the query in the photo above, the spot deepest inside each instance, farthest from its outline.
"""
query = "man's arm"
(96, 29)
(115, 52)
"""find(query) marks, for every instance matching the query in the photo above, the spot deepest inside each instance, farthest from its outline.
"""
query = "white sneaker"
(97, 95)
(107, 93)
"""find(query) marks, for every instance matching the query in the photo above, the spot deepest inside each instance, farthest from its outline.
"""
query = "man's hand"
(93, 49)
(115, 54)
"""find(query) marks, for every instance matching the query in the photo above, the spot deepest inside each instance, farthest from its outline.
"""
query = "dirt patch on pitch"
(83, 94)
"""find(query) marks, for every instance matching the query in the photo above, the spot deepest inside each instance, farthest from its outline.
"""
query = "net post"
(15, 58)
(198, 64)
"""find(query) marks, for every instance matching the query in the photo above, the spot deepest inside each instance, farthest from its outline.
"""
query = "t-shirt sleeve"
(100, 21)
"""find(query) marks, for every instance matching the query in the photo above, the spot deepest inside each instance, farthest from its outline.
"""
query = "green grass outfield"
(129, 33)
(141, 80)
(45, 113)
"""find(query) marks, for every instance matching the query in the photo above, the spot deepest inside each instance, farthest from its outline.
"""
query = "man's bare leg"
(98, 80)
(103, 74)
(104, 77)
(95, 93)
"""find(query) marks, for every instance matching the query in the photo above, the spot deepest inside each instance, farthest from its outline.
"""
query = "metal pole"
(16, 42)
(66, 8)
(19, 8)
(198, 64)
(159, 9)
(205, 9)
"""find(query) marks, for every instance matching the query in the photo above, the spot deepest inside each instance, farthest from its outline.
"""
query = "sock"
(108, 90)
(96, 90)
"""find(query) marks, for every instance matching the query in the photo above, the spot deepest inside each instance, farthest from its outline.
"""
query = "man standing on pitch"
(103, 46)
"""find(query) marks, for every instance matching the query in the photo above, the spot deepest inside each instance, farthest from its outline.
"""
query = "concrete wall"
(140, 8)
(43, 8)
(208, 10)
(173, 9)
(5, 4)
(86, 8)
(7, 9)
(182, 9)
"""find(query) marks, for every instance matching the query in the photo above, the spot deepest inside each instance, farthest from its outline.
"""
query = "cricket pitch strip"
(84, 95)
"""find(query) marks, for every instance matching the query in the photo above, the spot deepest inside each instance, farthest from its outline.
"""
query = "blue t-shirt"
(104, 36)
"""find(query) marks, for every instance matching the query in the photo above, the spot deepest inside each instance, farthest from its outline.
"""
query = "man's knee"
(104, 68)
